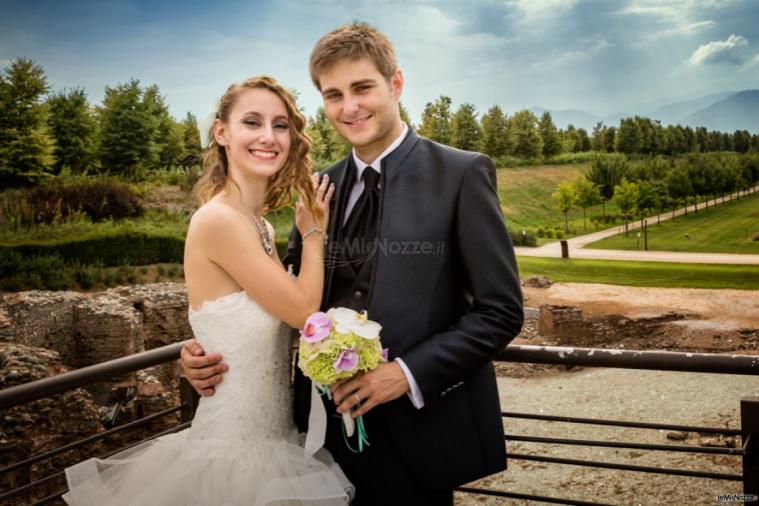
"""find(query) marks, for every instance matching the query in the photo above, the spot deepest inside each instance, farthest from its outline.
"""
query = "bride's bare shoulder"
(214, 217)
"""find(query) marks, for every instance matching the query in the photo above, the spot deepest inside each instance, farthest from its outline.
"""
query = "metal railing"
(640, 360)
(46, 387)
(568, 356)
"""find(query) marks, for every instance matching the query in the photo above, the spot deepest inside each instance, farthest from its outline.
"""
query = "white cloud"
(588, 49)
(753, 62)
(676, 17)
(719, 51)
(533, 9)
(672, 10)
(681, 29)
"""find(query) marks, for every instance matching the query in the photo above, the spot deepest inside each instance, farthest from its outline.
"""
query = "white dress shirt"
(415, 394)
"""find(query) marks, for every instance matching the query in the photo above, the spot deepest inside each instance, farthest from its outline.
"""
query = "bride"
(242, 447)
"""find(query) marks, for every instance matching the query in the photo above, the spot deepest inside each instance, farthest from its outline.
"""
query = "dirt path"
(727, 308)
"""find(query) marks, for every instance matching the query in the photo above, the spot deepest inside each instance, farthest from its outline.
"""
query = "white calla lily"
(346, 320)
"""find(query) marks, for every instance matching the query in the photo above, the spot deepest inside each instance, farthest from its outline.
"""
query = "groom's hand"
(202, 371)
(384, 384)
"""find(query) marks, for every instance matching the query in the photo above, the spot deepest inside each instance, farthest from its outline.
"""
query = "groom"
(416, 238)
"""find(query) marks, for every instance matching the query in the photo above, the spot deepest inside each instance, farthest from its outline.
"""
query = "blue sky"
(601, 56)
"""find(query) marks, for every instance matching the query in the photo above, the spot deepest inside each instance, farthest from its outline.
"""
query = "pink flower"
(317, 327)
(347, 361)
(384, 353)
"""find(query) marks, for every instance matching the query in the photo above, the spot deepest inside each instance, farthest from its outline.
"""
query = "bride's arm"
(232, 244)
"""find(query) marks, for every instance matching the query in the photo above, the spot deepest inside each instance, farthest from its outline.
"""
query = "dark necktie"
(361, 228)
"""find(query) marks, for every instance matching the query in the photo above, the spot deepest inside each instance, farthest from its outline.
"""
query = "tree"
(678, 185)
(72, 127)
(586, 195)
(550, 135)
(598, 137)
(326, 144)
(465, 130)
(626, 197)
(126, 130)
(24, 143)
(436, 120)
(584, 139)
(741, 141)
(191, 141)
(572, 141)
(565, 198)
(606, 171)
(629, 137)
(167, 139)
(610, 139)
(647, 199)
(405, 117)
(527, 141)
(495, 131)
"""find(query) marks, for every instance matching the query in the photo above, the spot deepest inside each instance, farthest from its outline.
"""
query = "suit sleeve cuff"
(414, 393)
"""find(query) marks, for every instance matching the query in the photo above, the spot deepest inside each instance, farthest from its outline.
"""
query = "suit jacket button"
(358, 294)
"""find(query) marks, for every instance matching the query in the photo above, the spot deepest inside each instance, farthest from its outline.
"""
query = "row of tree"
(524, 135)
(44, 133)
(656, 184)
(131, 131)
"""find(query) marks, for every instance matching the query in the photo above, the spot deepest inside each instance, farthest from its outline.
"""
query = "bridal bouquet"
(336, 345)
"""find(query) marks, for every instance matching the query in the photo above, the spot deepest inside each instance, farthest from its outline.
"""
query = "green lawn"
(656, 274)
(726, 228)
(525, 194)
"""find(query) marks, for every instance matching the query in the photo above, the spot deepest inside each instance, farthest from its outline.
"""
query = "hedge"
(123, 248)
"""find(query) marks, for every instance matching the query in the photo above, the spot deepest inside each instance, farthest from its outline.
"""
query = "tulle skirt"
(173, 470)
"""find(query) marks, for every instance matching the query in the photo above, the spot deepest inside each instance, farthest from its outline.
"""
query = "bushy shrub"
(122, 248)
(514, 161)
(570, 158)
(37, 272)
(99, 199)
(523, 237)
(601, 219)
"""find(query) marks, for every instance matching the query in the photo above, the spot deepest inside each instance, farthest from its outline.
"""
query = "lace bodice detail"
(253, 403)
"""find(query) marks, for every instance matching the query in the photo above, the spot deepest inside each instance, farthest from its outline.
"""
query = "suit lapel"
(335, 228)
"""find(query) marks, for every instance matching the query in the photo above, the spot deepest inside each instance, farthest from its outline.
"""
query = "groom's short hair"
(353, 42)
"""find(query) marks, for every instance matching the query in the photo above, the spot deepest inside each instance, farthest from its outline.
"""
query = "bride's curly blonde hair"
(295, 174)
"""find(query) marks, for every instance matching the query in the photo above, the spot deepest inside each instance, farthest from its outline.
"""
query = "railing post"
(750, 437)
(188, 397)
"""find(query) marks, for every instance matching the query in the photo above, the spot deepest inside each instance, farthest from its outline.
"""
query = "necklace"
(263, 230)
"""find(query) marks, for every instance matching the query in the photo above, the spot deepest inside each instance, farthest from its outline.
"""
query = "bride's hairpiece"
(206, 123)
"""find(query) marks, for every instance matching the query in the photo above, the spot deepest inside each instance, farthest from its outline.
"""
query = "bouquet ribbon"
(317, 423)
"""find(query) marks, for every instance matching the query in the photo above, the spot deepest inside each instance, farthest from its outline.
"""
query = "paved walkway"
(577, 245)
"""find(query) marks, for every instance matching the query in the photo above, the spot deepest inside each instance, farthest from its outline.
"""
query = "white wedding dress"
(242, 448)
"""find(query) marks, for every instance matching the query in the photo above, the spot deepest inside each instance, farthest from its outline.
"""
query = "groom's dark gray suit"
(444, 286)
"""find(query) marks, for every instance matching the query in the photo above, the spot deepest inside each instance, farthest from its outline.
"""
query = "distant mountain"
(739, 111)
(672, 114)
(727, 112)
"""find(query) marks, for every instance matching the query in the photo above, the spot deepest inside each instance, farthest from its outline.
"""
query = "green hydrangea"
(317, 360)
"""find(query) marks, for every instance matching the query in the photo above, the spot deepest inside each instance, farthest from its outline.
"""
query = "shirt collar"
(377, 163)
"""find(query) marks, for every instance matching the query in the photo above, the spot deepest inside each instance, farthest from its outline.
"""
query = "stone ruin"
(87, 329)
(567, 326)
(46, 333)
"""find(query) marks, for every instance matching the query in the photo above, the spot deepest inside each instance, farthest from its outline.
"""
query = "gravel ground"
(654, 396)
(710, 400)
